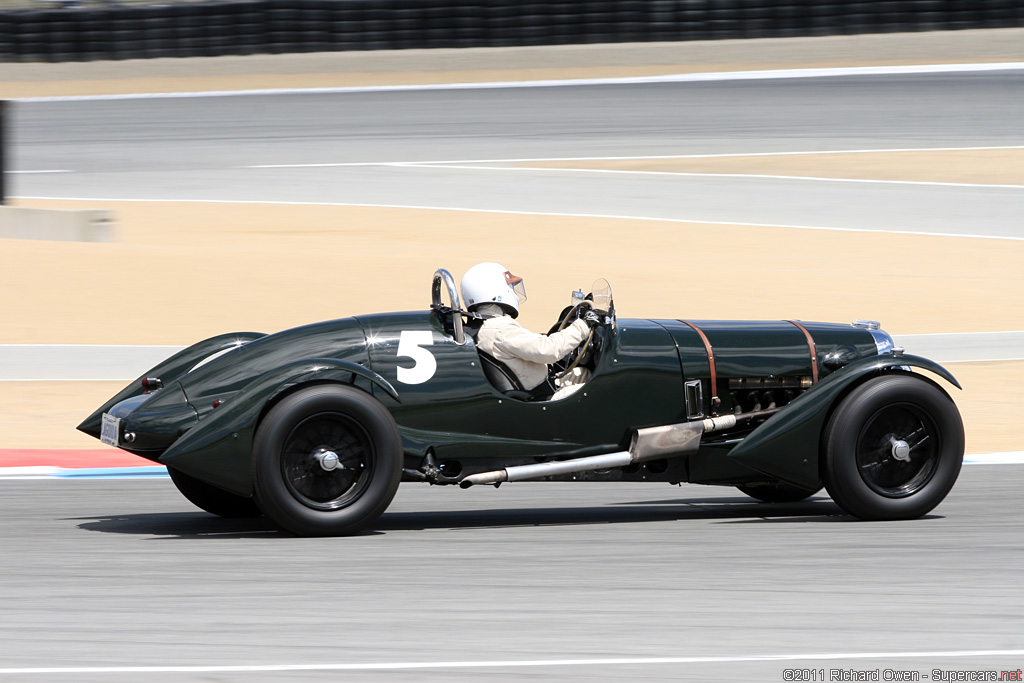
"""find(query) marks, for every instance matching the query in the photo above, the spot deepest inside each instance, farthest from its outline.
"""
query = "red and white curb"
(105, 463)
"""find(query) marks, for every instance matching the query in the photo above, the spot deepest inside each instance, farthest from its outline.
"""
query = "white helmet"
(487, 283)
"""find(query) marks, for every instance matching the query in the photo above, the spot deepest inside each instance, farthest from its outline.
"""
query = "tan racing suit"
(526, 353)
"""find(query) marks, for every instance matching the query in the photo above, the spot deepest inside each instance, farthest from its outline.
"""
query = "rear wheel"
(779, 492)
(214, 500)
(327, 461)
(893, 448)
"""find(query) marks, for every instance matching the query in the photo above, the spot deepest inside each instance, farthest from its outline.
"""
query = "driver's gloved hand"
(592, 319)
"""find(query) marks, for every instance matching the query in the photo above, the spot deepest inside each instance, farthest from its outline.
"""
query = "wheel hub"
(901, 450)
(328, 460)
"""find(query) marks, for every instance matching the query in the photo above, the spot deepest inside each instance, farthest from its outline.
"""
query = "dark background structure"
(57, 33)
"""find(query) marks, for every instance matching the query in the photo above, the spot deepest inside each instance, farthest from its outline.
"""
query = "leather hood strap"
(814, 351)
(715, 400)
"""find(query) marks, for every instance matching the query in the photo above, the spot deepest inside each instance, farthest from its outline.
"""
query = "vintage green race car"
(316, 426)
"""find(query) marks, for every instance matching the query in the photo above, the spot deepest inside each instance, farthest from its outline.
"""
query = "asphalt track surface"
(128, 574)
(275, 148)
(543, 581)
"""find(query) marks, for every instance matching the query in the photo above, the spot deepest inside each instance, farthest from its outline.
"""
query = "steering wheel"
(586, 350)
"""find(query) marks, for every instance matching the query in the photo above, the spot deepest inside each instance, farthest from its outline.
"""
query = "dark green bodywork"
(455, 415)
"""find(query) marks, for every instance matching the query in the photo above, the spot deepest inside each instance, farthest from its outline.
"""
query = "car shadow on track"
(820, 510)
(181, 525)
(192, 525)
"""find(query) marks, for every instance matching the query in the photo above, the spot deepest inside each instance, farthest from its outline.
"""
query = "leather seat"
(501, 376)
(505, 381)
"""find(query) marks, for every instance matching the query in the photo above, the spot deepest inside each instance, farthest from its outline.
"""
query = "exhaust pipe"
(651, 443)
(545, 469)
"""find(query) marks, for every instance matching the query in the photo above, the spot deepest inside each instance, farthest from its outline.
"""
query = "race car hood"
(741, 349)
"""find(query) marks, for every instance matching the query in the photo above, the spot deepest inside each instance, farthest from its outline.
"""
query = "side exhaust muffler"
(652, 443)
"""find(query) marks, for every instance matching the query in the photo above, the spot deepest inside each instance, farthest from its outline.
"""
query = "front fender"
(218, 449)
(786, 446)
(169, 370)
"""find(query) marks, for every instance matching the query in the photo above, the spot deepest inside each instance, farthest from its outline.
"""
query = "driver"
(492, 292)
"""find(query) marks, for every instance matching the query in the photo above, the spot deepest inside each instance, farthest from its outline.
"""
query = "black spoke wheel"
(777, 492)
(214, 500)
(327, 461)
(894, 429)
(893, 448)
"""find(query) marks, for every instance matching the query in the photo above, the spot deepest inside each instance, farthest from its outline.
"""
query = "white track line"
(512, 663)
(759, 176)
(162, 346)
(69, 379)
(30, 472)
(1008, 458)
(688, 221)
(948, 334)
(767, 74)
(49, 170)
(640, 157)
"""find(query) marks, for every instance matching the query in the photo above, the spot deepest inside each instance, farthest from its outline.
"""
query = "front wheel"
(893, 448)
(327, 461)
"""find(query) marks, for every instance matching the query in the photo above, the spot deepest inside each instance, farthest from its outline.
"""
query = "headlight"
(883, 342)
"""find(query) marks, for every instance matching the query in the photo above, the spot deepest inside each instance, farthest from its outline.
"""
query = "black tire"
(214, 500)
(866, 470)
(779, 492)
(314, 428)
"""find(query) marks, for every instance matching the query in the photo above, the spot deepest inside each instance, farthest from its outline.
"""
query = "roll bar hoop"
(453, 293)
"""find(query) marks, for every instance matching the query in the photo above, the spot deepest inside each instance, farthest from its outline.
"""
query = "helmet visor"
(516, 283)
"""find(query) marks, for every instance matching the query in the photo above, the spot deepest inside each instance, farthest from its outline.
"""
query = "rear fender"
(218, 449)
(786, 446)
(169, 371)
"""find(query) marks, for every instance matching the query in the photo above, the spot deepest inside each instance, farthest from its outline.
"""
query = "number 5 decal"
(410, 345)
